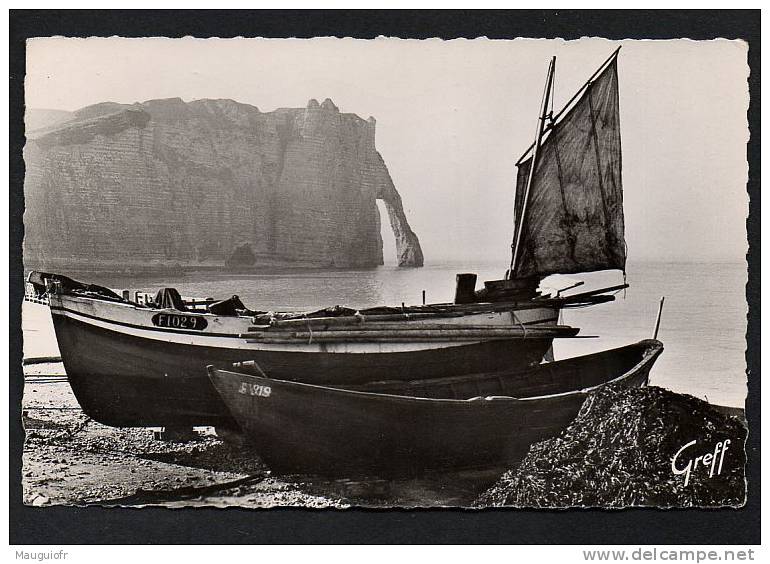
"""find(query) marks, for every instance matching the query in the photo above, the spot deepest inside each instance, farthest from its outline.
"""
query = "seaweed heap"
(618, 452)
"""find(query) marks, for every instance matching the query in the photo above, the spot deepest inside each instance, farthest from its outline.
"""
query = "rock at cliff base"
(618, 452)
(242, 255)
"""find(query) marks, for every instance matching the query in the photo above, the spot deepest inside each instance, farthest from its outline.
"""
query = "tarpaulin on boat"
(231, 306)
(169, 298)
(574, 214)
(38, 280)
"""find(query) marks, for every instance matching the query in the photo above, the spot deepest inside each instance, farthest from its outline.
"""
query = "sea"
(703, 321)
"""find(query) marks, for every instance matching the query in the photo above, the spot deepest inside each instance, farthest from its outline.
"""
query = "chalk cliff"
(209, 182)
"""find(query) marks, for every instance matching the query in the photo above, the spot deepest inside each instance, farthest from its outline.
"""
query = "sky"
(454, 116)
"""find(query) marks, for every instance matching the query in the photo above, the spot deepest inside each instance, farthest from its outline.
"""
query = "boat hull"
(301, 428)
(130, 374)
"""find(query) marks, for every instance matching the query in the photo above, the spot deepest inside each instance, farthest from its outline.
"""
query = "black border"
(62, 525)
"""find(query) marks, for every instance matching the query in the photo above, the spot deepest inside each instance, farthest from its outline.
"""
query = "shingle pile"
(618, 452)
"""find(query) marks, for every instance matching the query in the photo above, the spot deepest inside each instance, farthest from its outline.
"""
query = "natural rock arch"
(408, 250)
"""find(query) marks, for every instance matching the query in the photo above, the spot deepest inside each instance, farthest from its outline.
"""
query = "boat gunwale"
(457, 309)
(652, 349)
(244, 336)
(248, 338)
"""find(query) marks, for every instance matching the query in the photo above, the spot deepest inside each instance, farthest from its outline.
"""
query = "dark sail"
(574, 214)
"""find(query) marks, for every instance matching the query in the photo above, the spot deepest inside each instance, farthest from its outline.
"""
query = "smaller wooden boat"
(408, 428)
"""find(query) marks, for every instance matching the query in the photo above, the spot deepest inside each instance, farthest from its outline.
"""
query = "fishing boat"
(132, 364)
(397, 428)
(143, 364)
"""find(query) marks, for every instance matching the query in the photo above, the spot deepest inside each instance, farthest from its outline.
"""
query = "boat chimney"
(465, 291)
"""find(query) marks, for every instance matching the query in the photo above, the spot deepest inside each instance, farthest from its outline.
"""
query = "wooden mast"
(533, 165)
